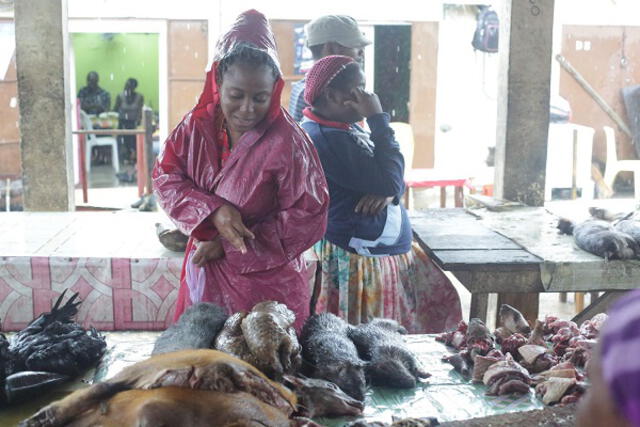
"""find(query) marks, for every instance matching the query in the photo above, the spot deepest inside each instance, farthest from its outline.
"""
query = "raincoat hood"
(251, 27)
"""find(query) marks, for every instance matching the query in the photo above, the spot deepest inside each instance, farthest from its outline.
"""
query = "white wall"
(466, 96)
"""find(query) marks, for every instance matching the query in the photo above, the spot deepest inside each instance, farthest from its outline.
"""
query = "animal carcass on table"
(264, 337)
(50, 350)
(391, 363)
(178, 406)
(329, 354)
(196, 328)
(506, 376)
(193, 369)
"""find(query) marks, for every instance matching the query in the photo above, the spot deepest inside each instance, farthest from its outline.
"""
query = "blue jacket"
(355, 164)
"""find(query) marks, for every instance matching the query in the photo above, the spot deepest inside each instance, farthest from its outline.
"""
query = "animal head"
(618, 246)
(320, 398)
(349, 376)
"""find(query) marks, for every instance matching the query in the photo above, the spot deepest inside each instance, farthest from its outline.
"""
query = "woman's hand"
(228, 222)
(207, 251)
(365, 103)
(370, 204)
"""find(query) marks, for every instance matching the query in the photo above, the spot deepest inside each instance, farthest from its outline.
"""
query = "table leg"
(140, 164)
(443, 197)
(479, 303)
(458, 197)
(579, 301)
(527, 303)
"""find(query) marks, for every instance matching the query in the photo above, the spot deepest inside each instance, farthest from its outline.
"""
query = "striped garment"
(296, 100)
(409, 288)
(619, 354)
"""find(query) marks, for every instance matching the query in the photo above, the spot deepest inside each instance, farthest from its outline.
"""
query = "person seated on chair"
(94, 99)
(370, 265)
(614, 396)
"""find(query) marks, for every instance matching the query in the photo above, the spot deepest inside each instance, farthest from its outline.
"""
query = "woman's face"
(245, 96)
(597, 408)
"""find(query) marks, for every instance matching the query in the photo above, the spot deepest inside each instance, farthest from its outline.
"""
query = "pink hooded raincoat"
(273, 177)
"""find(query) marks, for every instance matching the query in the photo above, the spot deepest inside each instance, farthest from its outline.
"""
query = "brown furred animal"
(178, 406)
(196, 369)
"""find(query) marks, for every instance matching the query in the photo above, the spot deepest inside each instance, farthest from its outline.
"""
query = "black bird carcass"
(50, 350)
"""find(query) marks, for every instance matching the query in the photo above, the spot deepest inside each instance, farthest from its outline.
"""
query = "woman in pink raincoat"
(241, 179)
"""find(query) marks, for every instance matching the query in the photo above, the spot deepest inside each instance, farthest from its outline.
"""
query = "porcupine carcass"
(391, 363)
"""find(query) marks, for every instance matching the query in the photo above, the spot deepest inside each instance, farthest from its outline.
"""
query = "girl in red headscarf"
(370, 265)
(244, 182)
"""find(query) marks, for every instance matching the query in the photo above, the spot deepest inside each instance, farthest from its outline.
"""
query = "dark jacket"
(355, 164)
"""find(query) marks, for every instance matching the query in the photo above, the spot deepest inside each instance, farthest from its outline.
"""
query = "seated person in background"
(328, 35)
(94, 99)
(614, 372)
(370, 266)
(129, 108)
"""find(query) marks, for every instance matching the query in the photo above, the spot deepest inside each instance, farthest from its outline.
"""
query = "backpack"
(485, 37)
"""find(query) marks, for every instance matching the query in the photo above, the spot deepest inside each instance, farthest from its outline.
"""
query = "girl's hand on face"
(207, 251)
(365, 103)
(228, 222)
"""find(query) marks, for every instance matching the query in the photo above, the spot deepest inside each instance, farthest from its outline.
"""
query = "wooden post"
(147, 115)
(526, 35)
(43, 90)
(140, 169)
(525, 51)
(443, 196)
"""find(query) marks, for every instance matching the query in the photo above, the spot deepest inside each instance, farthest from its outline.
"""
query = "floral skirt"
(409, 288)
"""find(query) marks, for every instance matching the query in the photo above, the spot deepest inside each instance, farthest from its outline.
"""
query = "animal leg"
(62, 411)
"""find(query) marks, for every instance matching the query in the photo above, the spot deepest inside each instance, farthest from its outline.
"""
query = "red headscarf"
(321, 74)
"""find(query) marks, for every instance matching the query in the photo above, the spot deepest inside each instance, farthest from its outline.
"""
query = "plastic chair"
(560, 158)
(424, 178)
(404, 136)
(93, 141)
(614, 165)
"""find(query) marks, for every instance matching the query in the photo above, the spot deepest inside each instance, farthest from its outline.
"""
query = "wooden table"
(515, 253)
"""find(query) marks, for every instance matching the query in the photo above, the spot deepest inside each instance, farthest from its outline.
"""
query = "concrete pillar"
(526, 35)
(43, 93)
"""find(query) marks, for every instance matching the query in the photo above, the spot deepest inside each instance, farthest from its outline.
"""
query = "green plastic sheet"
(445, 395)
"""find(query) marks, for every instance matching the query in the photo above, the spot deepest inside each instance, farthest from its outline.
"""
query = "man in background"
(328, 35)
(94, 99)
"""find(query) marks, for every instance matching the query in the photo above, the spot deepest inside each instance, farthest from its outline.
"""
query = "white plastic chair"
(560, 158)
(93, 141)
(614, 165)
(404, 136)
